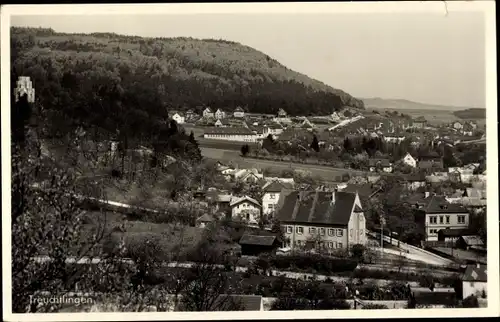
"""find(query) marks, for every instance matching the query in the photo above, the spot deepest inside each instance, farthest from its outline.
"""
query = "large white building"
(240, 134)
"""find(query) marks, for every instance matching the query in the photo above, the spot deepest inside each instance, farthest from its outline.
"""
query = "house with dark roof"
(419, 122)
(220, 114)
(204, 220)
(271, 194)
(452, 235)
(380, 164)
(334, 220)
(475, 281)
(430, 161)
(239, 112)
(254, 245)
(224, 302)
(440, 214)
(433, 296)
(415, 181)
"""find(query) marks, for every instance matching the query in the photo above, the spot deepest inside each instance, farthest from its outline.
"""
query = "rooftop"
(439, 205)
(475, 273)
(229, 131)
(248, 239)
(315, 207)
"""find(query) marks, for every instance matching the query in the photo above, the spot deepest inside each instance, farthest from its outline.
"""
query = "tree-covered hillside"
(471, 114)
(105, 78)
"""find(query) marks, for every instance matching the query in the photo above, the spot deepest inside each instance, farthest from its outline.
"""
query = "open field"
(233, 157)
(435, 117)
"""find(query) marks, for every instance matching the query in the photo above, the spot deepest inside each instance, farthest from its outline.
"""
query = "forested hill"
(105, 74)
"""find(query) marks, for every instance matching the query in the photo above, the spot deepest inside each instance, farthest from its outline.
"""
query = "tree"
(470, 302)
(42, 227)
(315, 144)
(245, 149)
(347, 145)
(207, 286)
(358, 252)
(268, 143)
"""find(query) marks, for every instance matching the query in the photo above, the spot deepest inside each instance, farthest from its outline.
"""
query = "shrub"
(373, 306)
(320, 264)
(470, 302)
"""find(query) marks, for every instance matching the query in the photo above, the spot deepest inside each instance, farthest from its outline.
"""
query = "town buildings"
(332, 220)
(24, 86)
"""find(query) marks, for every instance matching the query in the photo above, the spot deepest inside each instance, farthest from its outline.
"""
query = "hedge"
(318, 263)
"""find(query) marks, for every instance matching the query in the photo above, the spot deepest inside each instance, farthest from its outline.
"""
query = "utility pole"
(382, 223)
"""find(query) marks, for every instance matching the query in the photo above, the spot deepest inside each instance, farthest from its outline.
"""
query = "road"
(415, 253)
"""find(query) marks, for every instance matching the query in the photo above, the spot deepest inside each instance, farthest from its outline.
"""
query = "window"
(340, 233)
(350, 233)
(441, 219)
(271, 206)
(300, 230)
(322, 231)
(461, 219)
(248, 216)
(331, 232)
(289, 229)
(330, 245)
(447, 219)
(339, 245)
(334, 244)
(433, 220)
(312, 230)
(271, 196)
(361, 232)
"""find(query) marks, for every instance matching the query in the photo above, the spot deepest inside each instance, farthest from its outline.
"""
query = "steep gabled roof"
(239, 109)
(276, 186)
(439, 205)
(315, 207)
(237, 201)
(475, 273)
(249, 239)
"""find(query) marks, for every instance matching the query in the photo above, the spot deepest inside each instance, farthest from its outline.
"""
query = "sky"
(422, 57)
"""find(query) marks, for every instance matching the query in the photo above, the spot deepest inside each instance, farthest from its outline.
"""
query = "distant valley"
(434, 113)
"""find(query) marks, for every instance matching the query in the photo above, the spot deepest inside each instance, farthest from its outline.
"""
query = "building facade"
(441, 215)
(177, 117)
(271, 195)
(208, 113)
(241, 134)
(409, 160)
(246, 208)
(220, 114)
(239, 112)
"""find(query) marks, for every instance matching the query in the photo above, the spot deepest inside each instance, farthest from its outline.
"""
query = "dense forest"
(471, 114)
(107, 78)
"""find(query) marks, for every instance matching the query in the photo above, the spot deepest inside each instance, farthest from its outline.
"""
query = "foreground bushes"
(313, 263)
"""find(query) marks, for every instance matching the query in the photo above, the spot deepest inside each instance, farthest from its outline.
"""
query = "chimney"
(333, 194)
